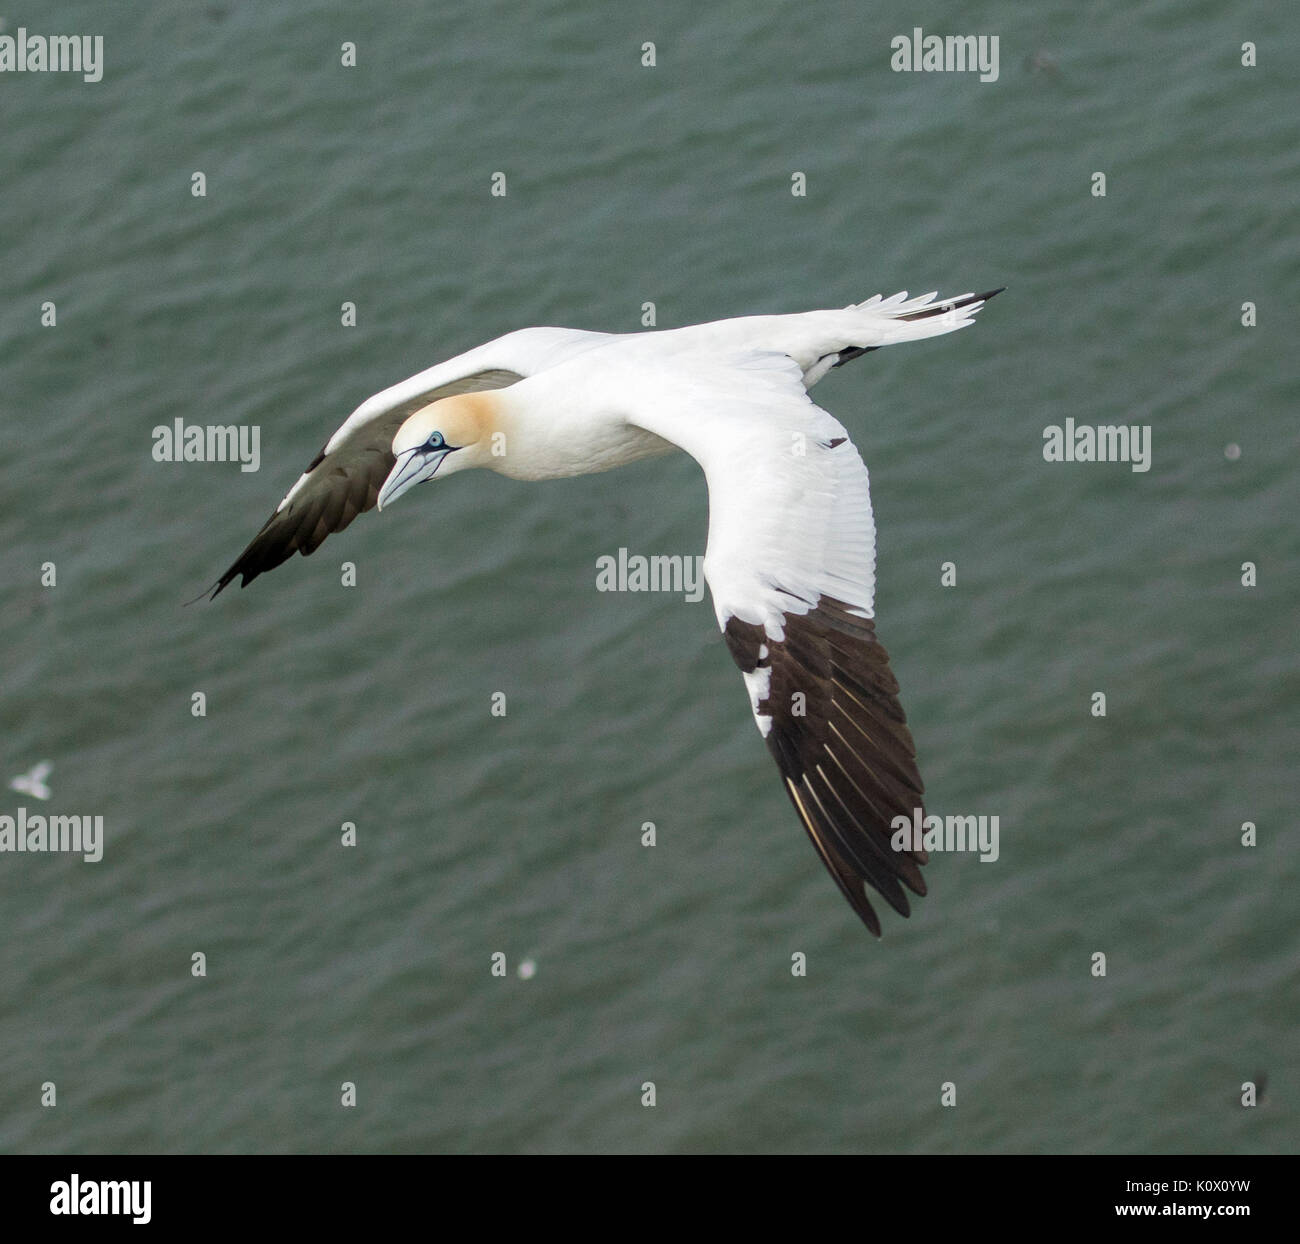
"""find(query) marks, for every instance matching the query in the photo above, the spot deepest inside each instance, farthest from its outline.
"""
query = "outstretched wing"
(340, 482)
(791, 566)
(344, 479)
(827, 701)
(820, 340)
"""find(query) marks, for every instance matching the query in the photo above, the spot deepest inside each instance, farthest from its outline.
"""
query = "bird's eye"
(435, 440)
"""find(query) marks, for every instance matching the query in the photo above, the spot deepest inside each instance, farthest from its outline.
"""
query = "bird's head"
(442, 438)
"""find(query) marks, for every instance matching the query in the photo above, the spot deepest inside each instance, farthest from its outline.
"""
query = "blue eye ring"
(435, 441)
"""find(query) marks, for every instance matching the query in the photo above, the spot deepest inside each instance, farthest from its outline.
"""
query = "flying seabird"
(791, 547)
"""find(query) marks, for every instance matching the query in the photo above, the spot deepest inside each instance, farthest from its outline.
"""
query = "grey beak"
(412, 467)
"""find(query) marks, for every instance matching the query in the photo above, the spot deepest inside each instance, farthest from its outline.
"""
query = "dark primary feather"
(342, 484)
(848, 761)
(952, 304)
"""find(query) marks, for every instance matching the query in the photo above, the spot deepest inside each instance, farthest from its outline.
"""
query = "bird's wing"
(344, 479)
(791, 566)
(820, 340)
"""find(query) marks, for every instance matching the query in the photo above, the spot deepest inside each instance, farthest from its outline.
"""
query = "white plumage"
(791, 548)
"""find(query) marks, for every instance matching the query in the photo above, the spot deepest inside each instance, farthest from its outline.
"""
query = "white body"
(791, 550)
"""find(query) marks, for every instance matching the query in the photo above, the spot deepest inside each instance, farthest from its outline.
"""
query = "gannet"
(790, 559)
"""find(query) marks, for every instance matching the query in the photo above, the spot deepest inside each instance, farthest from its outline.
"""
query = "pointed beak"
(412, 467)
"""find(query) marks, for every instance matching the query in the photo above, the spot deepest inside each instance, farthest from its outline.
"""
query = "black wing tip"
(238, 571)
(953, 304)
(845, 804)
(210, 592)
(971, 299)
(940, 308)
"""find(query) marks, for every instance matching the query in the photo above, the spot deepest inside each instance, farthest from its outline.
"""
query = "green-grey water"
(521, 834)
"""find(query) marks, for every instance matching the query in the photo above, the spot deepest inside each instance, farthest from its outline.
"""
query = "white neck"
(552, 432)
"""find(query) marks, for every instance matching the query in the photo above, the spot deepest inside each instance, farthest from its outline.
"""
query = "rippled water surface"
(521, 834)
